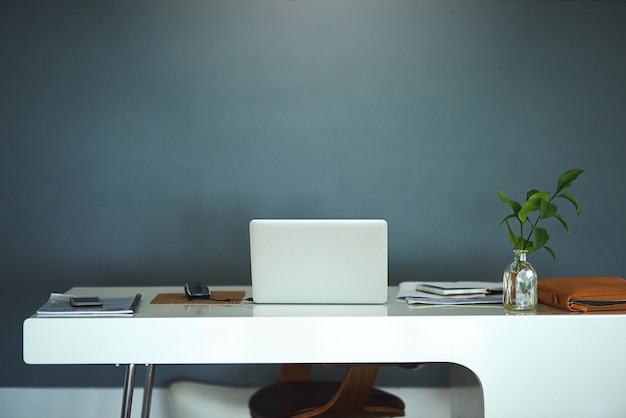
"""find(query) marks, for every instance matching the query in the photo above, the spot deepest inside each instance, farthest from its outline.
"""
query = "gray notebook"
(324, 261)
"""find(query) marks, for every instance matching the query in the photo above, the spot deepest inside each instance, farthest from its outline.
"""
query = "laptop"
(319, 261)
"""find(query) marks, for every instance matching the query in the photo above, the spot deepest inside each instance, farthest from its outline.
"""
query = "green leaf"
(547, 209)
(572, 199)
(562, 220)
(566, 179)
(516, 206)
(540, 196)
(511, 235)
(551, 251)
(541, 237)
(530, 193)
(532, 204)
(507, 217)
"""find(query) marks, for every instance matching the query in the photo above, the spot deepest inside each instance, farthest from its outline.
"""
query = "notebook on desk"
(319, 261)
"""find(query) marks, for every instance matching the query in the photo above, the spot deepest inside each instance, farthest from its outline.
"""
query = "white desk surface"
(555, 356)
(251, 333)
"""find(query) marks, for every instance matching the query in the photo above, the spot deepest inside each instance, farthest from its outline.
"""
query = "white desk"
(551, 364)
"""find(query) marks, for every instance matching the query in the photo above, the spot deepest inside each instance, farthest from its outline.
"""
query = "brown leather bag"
(584, 294)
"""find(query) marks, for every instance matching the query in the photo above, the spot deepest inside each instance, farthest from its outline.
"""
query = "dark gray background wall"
(138, 138)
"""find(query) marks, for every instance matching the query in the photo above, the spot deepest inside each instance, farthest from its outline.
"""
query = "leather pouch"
(584, 294)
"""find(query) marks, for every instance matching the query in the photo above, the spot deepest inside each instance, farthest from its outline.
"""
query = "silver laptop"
(319, 261)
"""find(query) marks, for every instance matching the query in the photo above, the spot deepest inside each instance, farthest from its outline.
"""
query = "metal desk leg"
(147, 391)
(129, 384)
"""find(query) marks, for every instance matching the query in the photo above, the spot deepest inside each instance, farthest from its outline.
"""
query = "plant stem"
(552, 196)
(531, 233)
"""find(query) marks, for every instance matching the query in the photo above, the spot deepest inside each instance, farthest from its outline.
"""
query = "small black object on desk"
(197, 290)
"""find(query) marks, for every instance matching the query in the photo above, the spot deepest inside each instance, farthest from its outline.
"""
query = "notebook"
(319, 261)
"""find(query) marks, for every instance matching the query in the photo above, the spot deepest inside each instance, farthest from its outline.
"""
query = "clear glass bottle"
(520, 284)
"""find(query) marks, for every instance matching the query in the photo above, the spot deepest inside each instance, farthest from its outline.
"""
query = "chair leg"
(294, 372)
(351, 396)
(355, 388)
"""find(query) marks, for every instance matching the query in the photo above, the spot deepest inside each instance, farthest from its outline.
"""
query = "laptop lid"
(321, 261)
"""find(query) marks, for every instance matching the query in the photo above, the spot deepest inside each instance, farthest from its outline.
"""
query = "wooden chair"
(295, 395)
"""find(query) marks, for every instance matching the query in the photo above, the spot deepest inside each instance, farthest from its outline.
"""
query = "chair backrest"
(295, 395)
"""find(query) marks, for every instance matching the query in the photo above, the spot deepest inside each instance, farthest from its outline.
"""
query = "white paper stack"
(450, 293)
(59, 305)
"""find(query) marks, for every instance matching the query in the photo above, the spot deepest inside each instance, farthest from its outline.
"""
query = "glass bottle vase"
(520, 284)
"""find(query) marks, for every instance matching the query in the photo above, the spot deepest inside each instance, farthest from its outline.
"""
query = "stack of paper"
(59, 305)
(450, 293)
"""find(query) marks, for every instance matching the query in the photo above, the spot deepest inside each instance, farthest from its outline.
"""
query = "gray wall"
(140, 137)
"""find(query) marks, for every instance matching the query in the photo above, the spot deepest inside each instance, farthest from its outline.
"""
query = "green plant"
(543, 203)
